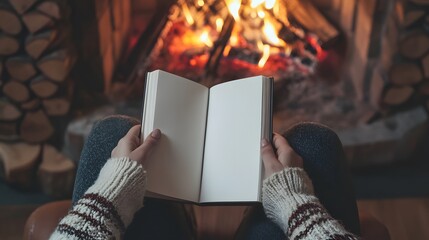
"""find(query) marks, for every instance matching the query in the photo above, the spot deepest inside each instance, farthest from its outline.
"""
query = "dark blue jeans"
(319, 146)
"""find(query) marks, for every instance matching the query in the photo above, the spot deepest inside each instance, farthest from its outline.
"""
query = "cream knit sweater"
(107, 208)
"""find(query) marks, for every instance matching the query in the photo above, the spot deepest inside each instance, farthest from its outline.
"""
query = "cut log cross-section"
(22, 6)
(16, 91)
(425, 64)
(8, 112)
(412, 17)
(36, 127)
(8, 131)
(56, 106)
(20, 68)
(31, 104)
(42, 87)
(18, 163)
(50, 8)
(9, 22)
(420, 2)
(35, 21)
(415, 45)
(35, 45)
(56, 65)
(8, 45)
(398, 95)
(56, 173)
(405, 74)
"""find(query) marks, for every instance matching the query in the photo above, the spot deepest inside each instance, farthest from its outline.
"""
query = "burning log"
(310, 18)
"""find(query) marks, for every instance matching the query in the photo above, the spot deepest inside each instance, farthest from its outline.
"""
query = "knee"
(115, 122)
(313, 135)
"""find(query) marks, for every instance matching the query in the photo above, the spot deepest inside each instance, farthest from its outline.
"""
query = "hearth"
(342, 63)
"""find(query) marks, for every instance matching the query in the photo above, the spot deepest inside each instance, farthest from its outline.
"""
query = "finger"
(143, 151)
(284, 150)
(269, 158)
(286, 155)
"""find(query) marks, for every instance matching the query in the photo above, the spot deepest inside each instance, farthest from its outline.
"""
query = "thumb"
(145, 149)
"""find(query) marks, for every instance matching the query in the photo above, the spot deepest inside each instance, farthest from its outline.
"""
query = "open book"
(211, 137)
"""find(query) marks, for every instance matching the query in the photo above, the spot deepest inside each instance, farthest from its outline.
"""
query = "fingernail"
(156, 133)
(264, 142)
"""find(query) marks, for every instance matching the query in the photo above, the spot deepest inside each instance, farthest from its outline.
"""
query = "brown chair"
(44, 219)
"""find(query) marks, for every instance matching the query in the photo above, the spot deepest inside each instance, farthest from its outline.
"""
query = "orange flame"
(265, 56)
(271, 34)
(188, 15)
(234, 8)
(205, 38)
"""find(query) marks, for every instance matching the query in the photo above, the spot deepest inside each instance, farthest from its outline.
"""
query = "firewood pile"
(35, 92)
(409, 74)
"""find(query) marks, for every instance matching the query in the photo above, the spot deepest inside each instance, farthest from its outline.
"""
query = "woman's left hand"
(130, 146)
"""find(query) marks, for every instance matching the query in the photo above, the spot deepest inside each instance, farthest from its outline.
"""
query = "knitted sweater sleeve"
(108, 206)
(289, 201)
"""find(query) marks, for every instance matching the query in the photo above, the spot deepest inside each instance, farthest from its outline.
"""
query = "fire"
(188, 15)
(269, 4)
(200, 3)
(256, 3)
(234, 8)
(265, 55)
(219, 24)
(271, 34)
(255, 31)
(205, 38)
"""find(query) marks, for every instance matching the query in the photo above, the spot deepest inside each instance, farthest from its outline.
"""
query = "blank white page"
(232, 163)
(174, 169)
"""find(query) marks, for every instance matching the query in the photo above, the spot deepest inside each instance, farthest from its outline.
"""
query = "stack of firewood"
(408, 77)
(35, 88)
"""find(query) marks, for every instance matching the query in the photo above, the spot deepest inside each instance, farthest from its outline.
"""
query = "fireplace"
(348, 64)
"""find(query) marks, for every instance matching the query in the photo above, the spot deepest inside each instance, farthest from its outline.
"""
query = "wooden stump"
(56, 173)
(18, 163)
